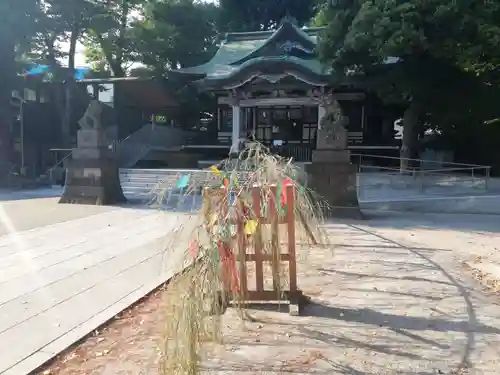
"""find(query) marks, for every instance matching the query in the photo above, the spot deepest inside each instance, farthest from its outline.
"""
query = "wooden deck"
(59, 282)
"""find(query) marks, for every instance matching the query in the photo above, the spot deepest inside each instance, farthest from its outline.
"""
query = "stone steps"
(140, 183)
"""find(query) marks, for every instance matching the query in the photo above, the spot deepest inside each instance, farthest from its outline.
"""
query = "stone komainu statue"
(92, 119)
(333, 125)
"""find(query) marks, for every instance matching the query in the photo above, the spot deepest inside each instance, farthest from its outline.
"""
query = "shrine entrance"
(288, 130)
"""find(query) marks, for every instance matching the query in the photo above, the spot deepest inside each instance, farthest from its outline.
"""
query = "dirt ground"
(384, 301)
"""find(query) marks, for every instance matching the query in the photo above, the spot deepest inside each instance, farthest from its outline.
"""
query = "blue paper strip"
(232, 198)
(183, 182)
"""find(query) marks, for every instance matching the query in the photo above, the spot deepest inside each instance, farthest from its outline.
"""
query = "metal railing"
(299, 153)
(429, 177)
(414, 164)
(148, 138)
(58, 167)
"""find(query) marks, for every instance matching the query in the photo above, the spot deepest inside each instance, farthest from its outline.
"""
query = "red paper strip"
(229, 271)
(193, 248)
(286, 183)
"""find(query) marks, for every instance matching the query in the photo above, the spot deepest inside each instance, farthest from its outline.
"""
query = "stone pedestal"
(333, 177)
(92, 176)
(331, 173)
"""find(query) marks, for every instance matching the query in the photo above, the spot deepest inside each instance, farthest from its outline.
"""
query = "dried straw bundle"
(195, 303)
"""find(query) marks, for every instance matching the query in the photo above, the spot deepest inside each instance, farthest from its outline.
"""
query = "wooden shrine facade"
(289, 124)
(271, 87)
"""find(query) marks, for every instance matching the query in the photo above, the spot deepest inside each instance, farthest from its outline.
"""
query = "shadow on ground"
(394, 321)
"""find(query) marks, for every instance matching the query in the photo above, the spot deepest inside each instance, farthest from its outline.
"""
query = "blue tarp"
(38, 69)
(80, 73)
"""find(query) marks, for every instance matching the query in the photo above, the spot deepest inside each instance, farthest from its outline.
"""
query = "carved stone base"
(93, 176)
(333, 177)
(93, 182)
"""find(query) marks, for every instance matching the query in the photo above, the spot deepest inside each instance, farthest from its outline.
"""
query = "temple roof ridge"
(288, 18)
(243, 49)
(266, 34)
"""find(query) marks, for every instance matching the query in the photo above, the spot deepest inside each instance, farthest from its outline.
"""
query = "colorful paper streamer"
(281, 193)
(183, 182)
(193, 248)
(229, 271)
(216, 171)
(250, 227)
(232, 198)
(212, 220)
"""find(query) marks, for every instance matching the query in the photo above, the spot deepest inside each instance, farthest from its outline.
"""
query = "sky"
(79, 57)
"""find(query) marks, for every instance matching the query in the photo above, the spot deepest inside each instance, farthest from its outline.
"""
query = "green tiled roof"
(228, 53)
(241, 50)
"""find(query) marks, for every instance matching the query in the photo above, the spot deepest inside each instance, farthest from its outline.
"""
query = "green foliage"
(175, 33)
(109, 38)
(17, 26)
(427, 36)
(19, 23)
(18, 19)
(253, 15)
(437, 48)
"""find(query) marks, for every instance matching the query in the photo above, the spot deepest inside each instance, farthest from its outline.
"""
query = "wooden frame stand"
(263, 211)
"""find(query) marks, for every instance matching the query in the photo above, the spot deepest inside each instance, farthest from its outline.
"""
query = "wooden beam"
(288, 101)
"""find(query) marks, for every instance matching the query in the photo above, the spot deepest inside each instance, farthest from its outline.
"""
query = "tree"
(70, 19)
(18, 24)
(109, 37)
(253, 15)
(428, 43)
(175, 33)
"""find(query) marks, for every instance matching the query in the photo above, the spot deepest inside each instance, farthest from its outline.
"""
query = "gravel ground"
(389, 297)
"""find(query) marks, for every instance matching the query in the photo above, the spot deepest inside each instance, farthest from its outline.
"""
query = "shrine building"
(270, 86)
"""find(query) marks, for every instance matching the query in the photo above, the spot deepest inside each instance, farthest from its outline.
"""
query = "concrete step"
(147, 180)
(140, 183)
(479, 204)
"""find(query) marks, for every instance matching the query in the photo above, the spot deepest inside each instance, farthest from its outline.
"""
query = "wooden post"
(275, 240)
(240, 249)
(259, 269)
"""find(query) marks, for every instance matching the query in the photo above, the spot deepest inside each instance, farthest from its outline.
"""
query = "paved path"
(403, 276)
(392, 299)
(66, 269)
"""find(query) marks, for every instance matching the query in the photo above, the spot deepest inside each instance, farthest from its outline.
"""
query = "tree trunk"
(410, 134)
(68, 89)
(123, 29)
(115, 66)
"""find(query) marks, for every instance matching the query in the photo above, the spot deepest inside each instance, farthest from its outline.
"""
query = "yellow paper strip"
(213, 219)
(214, 169)
(250, 227)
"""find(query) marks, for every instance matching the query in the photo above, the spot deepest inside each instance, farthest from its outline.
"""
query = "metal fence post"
(487, 178)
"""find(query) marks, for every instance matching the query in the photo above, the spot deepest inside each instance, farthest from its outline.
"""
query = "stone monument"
(92, 176)
(331, 173)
